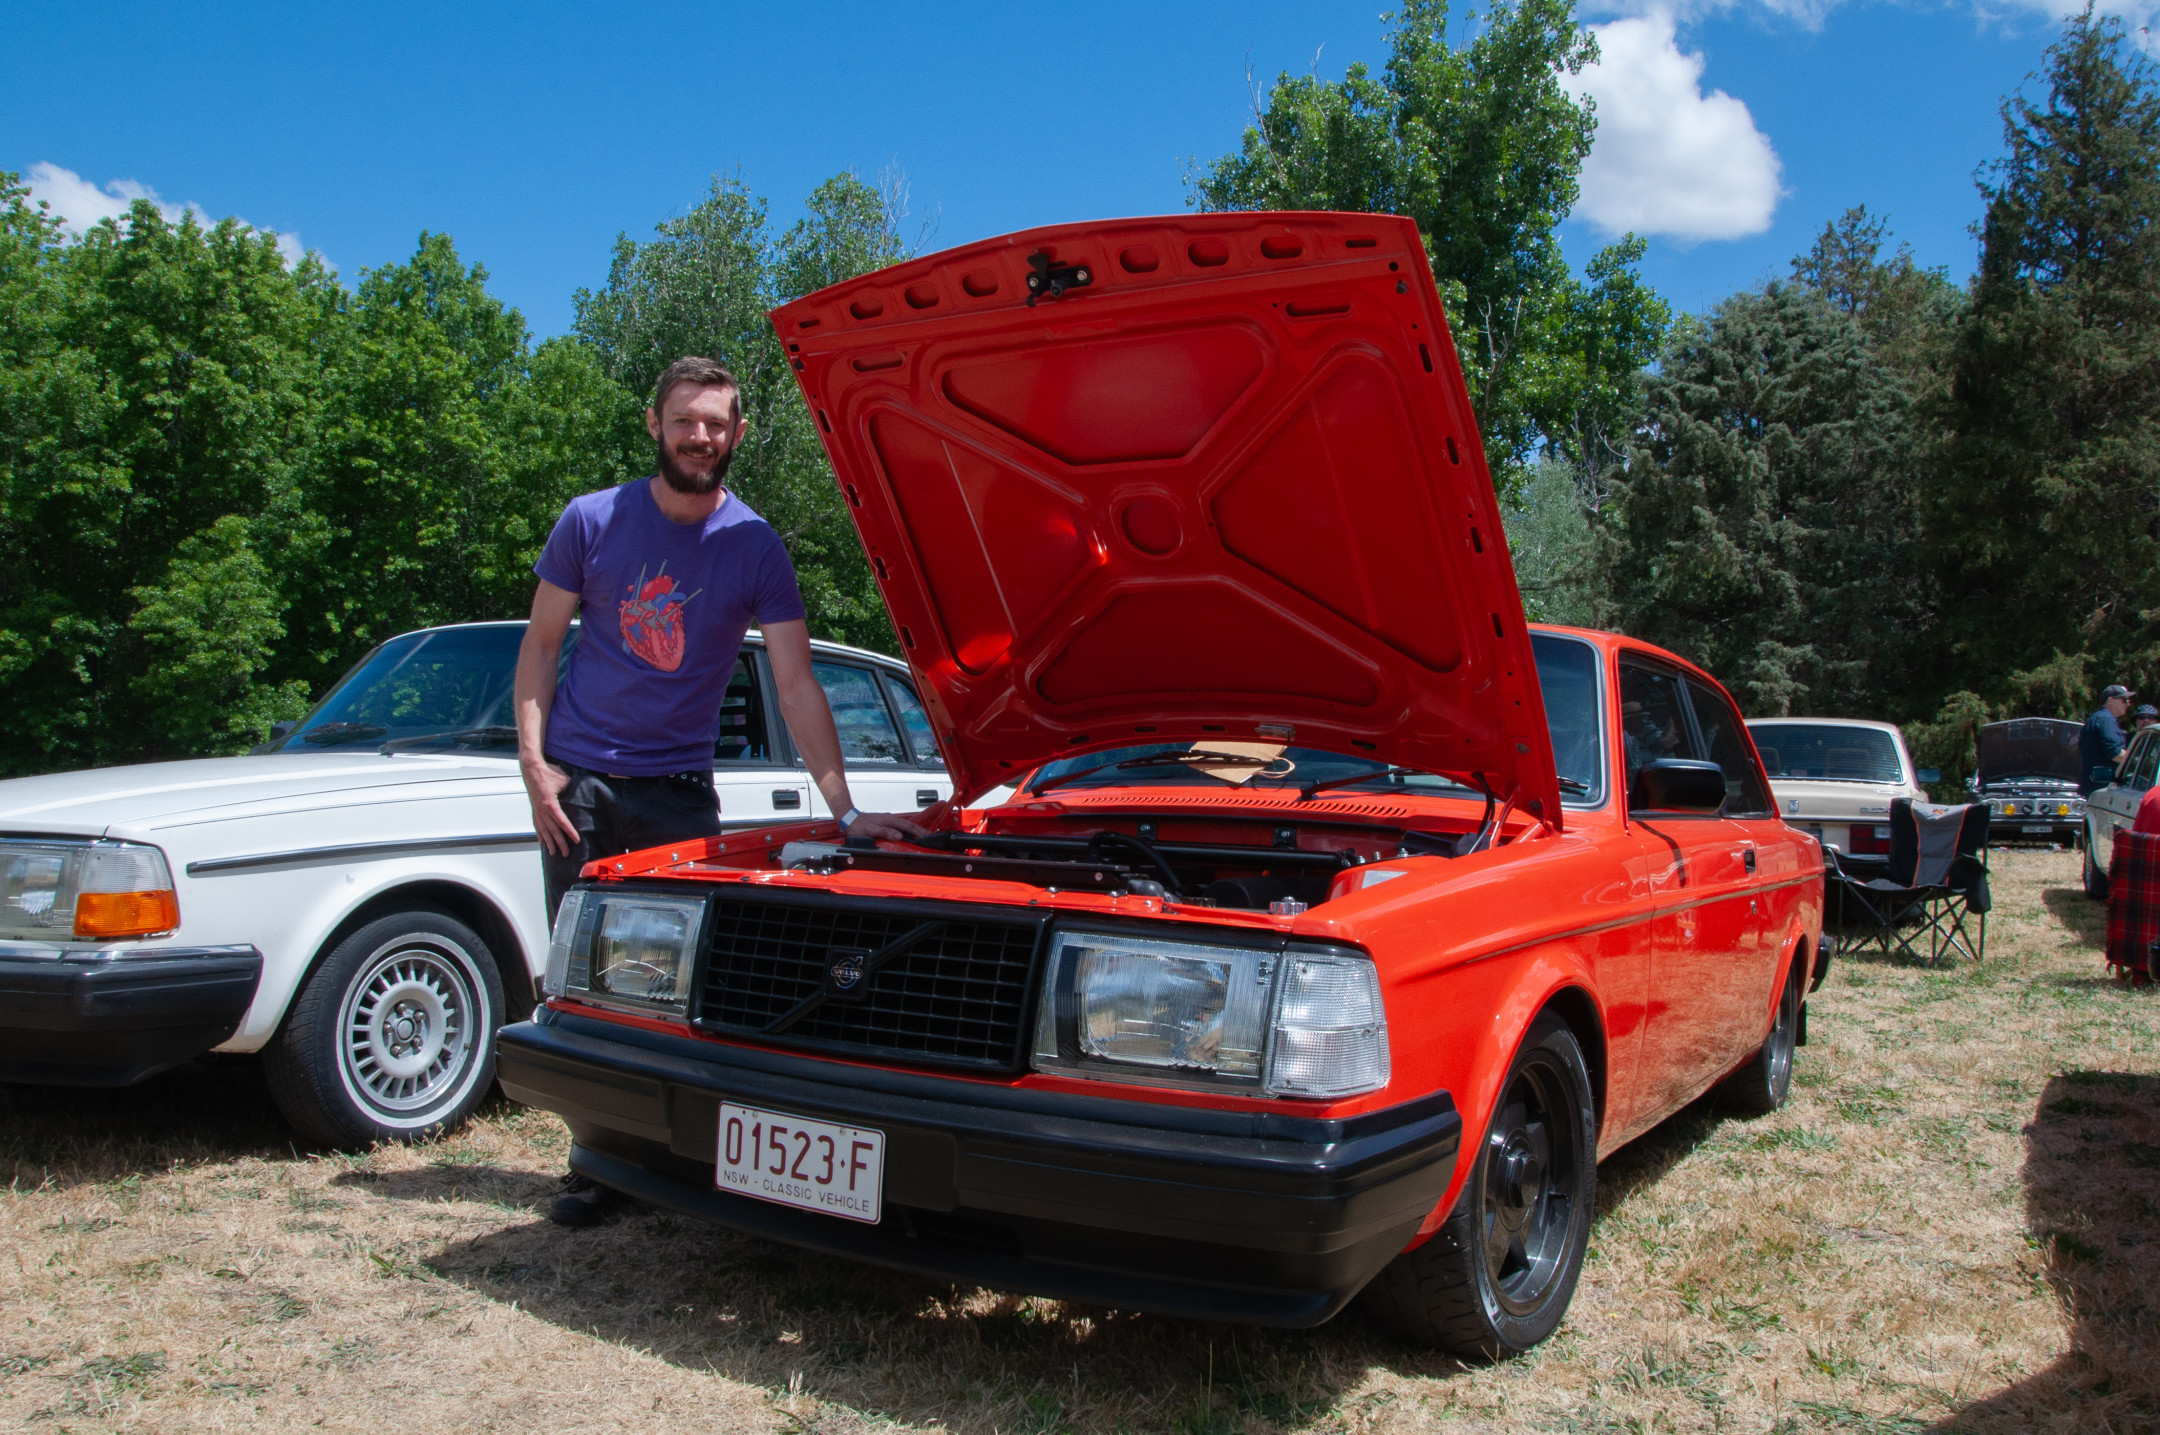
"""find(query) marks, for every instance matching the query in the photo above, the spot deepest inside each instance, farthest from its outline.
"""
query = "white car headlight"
(633, 947)
(85, 891)
(1290, 1023)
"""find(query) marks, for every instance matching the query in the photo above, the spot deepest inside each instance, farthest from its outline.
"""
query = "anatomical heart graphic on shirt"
(652, 620)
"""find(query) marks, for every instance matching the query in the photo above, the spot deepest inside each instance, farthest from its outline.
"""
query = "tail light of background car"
(1869, 838)
(85, 891)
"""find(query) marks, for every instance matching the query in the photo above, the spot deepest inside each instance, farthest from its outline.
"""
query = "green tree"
(2046, 508)
(1481, 144)
(161, 377)
(1767, 525)
(703, 285)
(446, 449)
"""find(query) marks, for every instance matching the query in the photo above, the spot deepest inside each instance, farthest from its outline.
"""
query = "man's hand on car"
(886, 825)
(544, 782)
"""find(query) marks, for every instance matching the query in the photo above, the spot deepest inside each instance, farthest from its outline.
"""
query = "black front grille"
(955, 995)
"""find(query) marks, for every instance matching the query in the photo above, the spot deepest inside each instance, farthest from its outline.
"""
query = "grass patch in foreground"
(1946, 1229)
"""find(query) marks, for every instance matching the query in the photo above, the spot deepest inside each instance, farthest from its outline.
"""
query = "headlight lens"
(94, 891)
(631, 947)
(1291, 1023)
(1150, 1004)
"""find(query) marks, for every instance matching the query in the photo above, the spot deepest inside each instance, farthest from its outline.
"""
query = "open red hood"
(1219, 481)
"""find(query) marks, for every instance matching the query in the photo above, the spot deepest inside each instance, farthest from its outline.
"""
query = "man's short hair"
(705, 374)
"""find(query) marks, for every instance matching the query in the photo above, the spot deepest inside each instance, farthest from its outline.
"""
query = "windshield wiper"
(467, 737)
(331, 732)
(1191, 757)
(1305, 793)
(1571, 784)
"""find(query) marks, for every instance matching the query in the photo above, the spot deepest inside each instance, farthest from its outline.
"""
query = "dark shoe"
(584, 1202)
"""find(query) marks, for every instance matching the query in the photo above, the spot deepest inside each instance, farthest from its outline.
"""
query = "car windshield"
(1226, 764)
(448, 687)
(1827, 753)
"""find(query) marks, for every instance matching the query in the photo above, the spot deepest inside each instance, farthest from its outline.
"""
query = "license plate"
(2037, 827)
(795, 1161)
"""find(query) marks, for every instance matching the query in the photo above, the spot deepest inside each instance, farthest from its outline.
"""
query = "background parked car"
(1835, 778)
(2114, 808)
(2028, 776)
(359, 898)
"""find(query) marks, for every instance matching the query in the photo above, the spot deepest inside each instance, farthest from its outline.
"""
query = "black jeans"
(614, 815)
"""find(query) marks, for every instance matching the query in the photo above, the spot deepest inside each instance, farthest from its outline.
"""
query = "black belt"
(699, 775)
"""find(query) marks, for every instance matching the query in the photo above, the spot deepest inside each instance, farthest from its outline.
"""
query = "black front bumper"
(1256, 1217)
(112, 1017)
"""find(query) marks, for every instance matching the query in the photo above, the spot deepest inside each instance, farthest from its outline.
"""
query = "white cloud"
(81, 205)
(2142, 17)
(1669, 159)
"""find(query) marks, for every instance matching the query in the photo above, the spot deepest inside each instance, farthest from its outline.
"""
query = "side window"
(1653, 724)
(858, 709)
(1725, 743)
(915, 723)
(1568, 679)
(2147, 757)
(742, 718)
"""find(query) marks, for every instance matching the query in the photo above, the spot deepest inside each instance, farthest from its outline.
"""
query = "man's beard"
(684, 480)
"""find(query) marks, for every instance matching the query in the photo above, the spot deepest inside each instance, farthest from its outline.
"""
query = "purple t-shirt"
(665, 608)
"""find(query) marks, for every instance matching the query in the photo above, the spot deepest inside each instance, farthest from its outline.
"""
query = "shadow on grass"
(2092, 1200)
(210, 1110)
(2080, 915)
(900, 1347)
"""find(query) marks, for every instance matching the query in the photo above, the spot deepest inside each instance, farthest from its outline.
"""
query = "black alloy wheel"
(1497, 1277)
(1761, 1086)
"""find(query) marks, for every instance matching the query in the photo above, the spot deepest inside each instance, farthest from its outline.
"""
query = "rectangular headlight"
(1182, 1013)
(629, 947)
(86, 891)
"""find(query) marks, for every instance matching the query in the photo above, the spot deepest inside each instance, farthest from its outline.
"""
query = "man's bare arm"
(531, 699)
(810, 723)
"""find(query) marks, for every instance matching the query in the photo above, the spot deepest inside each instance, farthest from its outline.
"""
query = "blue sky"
(534, 133)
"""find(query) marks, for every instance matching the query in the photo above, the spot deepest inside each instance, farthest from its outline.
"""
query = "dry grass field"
(1952, 1226)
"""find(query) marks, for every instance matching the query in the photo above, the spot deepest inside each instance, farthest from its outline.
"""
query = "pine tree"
(2045, 512)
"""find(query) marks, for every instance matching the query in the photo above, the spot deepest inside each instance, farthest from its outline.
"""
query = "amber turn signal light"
(126, 914)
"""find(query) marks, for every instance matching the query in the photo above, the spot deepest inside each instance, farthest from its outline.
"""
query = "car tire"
(1761, 1086)
(1496, 1278)
(2096, 881)
(392, 1038)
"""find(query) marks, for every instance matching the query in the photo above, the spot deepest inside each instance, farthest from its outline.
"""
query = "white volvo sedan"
(359, 898)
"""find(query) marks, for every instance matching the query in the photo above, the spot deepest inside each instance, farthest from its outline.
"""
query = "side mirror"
(1678, 784)
(283, 729)
(1929, 775)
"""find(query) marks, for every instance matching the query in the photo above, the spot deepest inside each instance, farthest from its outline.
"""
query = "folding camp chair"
(2133, 902)
(1937, 879)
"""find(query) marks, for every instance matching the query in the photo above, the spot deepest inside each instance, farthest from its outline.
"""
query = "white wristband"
(849, 819)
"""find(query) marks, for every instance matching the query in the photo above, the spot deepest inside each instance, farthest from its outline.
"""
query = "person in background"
(2146, 716)
(2100, 746)
(670, 572)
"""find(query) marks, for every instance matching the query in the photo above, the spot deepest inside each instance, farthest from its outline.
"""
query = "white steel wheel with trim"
(393, 1035)
(1496, 1278)
(1761, 1086)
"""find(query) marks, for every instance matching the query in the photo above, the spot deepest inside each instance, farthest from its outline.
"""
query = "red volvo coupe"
(1339, 921)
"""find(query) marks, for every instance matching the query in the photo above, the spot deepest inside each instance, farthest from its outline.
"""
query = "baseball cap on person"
(2114, 690)
(2148, 710)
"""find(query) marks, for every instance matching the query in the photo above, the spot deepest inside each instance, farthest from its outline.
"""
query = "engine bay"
(1253, 866)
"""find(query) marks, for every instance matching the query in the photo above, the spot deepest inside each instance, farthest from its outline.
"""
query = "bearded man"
(670, 572)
